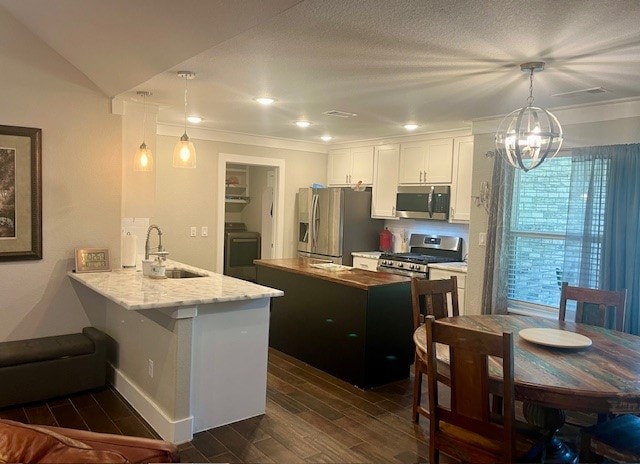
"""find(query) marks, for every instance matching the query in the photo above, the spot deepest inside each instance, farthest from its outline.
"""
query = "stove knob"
(400, 265)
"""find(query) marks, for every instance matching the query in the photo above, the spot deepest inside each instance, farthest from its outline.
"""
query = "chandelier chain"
(144, 118)
(185, 103)
(530, 99)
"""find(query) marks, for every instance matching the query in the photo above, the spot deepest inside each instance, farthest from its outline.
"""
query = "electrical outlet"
(151, 368)
(482, 239)
(204, 231)
(194, 231)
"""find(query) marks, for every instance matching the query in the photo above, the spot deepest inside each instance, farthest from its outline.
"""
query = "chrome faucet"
(147, 249)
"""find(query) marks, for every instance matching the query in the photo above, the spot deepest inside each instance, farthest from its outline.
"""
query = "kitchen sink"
(181, 274)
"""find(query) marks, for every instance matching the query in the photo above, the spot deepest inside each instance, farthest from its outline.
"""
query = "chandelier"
(529, 135)
(143, 158)
(184, 153)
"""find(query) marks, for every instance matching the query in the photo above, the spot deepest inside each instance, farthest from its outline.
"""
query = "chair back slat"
(438, 298)
(469, 412)
(604, 308)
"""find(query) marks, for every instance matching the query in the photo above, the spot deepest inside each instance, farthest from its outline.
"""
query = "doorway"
(275, 225)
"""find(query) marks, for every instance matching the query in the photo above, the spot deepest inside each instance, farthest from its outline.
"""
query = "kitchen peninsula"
(188, 354)
(354, 324)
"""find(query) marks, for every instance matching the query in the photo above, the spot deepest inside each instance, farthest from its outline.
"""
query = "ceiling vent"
(577, 93)
(339, 114)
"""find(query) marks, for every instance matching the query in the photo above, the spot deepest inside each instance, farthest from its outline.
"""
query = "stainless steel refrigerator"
(334, 222)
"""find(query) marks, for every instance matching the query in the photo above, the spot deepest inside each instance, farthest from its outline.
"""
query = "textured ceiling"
(439, 63)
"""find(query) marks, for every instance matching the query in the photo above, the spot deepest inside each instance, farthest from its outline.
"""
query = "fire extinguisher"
(386, 240)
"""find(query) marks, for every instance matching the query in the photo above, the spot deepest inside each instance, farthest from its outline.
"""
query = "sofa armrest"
(135, 449)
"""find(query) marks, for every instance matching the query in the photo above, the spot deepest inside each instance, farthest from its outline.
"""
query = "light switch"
(194, 231)
(204, 231)
(482, 239)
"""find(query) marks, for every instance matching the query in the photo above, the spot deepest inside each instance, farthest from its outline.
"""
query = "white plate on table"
(556, 338)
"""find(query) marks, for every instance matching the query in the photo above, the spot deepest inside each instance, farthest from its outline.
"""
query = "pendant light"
(529, 135)
(184, 154)
(143, 159)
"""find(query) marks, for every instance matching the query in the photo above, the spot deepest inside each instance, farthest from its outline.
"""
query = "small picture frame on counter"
(92, 260)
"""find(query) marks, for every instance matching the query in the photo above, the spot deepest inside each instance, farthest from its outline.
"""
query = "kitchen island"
(354, 324)
(188, 354)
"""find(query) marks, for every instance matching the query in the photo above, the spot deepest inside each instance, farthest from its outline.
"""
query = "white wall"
(187, 197)
(81, 177)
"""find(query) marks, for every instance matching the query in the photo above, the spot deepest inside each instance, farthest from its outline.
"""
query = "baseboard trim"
(175, 431)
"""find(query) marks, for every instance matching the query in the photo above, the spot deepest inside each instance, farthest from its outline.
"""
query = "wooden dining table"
(603, 377)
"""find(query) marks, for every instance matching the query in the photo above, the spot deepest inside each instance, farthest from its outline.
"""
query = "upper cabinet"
(461, 185)
(385, 181)
(348, 166)
(426, 162)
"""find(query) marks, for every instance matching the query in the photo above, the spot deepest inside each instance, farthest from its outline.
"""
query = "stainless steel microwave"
(423, 202)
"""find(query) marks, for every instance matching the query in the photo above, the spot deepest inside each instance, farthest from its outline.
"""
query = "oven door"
(240, 250)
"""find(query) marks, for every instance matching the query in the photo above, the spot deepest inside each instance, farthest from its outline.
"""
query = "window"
(555, 230)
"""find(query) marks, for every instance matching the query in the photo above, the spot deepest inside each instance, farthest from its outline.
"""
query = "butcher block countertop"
(352, 277)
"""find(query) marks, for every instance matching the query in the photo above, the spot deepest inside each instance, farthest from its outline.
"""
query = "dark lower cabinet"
(363, 336)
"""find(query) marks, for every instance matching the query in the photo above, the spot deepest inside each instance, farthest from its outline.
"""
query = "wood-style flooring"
(310, 417)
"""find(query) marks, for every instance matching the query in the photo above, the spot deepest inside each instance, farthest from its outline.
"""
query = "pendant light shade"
(529, 135)
(184, 153)
(143, 159)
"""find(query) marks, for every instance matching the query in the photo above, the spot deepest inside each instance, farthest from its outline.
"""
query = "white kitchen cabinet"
(461, 182)
(348, 166)
(385, 181)
(368, 264)
(426, 162)
(436, 274)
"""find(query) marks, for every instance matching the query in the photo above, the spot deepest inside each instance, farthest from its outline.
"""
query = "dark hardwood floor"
(311, 417)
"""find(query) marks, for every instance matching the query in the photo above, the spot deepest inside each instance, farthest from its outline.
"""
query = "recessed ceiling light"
(411, 126)
(302, 123)
(326, 138)
(266, 101)
(194, 119)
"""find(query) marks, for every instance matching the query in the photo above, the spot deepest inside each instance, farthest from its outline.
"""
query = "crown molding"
(414, 137)
(201, 133)
(577, 114)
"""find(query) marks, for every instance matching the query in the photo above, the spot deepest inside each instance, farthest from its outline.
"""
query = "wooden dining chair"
(467, 430)
(617, 439)
(594, 306)
(430, 298)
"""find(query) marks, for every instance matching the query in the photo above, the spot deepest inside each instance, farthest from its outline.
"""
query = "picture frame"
(92, 260)
(20, 193)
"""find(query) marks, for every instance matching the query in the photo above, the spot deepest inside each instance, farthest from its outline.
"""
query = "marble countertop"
(455, 267)
(133, 291)
(367, 254)
(353, 277)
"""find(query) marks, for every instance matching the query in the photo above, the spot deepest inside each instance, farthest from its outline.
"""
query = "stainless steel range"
(423, 249)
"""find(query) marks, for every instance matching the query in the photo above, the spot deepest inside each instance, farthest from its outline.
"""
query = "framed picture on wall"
(20, 193)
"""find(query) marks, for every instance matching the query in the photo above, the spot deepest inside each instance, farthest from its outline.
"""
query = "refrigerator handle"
(314, 221)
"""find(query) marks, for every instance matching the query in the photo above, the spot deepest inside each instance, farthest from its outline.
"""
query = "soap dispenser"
(158, 269)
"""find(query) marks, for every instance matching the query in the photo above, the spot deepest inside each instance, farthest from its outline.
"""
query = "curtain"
(586, 217)
(621, 252)
(603, 227)
(494, 292)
